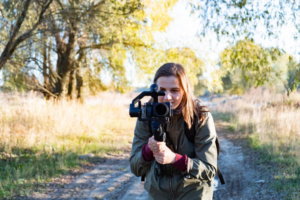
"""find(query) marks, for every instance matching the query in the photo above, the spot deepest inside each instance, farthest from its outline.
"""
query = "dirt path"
(232, 165)
(113, 179)
(244, 178)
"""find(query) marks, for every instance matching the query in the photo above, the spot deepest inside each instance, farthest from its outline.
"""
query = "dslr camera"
(158, 113)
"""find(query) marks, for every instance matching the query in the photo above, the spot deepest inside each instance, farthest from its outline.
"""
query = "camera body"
(159, 110)
(153, 110)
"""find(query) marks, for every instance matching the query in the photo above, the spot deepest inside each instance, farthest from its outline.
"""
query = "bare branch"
(26, 35)
(108, 45)
(12, 43)
(42, 87)
(96, 46)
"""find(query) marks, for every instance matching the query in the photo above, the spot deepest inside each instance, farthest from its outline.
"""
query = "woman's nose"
(167, 96)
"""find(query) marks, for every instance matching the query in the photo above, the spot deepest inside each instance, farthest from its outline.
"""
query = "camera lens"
(161, 109)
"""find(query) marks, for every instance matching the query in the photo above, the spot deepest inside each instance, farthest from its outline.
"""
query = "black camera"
(152, 110)
(158, 114)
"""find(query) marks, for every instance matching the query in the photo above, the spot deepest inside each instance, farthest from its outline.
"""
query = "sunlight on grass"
(40, 140)
(271, 122)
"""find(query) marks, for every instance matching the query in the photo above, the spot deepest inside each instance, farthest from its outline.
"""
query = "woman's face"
(170, 85)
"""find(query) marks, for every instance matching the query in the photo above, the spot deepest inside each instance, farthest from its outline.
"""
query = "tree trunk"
(82, 83)
(81, 76)
(287, 89)
(72, 85)
(45, 70)
(65, 62)
(65, 85)
(62, 84)
(52, 78)
(79, 86)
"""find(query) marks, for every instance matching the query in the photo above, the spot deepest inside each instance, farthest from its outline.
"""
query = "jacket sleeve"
(204, 165)
(139, 166)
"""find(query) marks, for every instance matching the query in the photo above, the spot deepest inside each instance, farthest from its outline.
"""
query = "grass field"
(40, 140)
(271, 124)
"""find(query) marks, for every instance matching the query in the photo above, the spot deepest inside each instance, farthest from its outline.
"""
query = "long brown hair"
(188, 105)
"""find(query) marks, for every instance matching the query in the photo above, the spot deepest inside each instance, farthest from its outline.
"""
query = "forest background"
(56, 54)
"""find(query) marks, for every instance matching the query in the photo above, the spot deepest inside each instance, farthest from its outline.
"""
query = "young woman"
(190, 168)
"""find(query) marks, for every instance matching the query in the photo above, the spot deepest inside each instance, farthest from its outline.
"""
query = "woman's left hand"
(165, 155)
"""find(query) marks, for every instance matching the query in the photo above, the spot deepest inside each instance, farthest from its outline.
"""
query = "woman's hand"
(161, 152)
(165, 156)
(155, 146)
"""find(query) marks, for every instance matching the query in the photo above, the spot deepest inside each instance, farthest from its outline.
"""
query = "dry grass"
(40, 139)
(272, 124)
(30, 122)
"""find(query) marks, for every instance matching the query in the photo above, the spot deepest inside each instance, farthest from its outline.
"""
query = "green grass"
(227, 117)
(276, 155)
(284, 164)
(41, 140)
(28, 169)
(232, 127)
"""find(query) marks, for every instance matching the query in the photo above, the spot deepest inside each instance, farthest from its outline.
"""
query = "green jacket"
(197, 181)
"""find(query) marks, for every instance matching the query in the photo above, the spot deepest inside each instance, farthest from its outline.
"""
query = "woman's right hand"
(155, 146)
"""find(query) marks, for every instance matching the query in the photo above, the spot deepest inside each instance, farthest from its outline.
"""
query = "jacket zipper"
(171, 188)
(171, 177)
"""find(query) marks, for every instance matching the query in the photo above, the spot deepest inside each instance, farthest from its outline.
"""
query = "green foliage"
(16, 79)
(201, 88)
(234, 19)
(226, 80)
(150, 60)
(293, 75)
(110, 37)
(247, 64)
(91, 37)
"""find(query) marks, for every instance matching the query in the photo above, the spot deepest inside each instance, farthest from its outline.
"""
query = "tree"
(238, 19)
(110, 29)
(292, 82)
(235, 20)
(81, 39)
(151, 60)
(247, 64)
(19, 23)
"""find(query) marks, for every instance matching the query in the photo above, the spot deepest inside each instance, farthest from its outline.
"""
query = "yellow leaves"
(150, 60)
(118, 55)
(216, 82)
(158, 12)
(185, 56)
